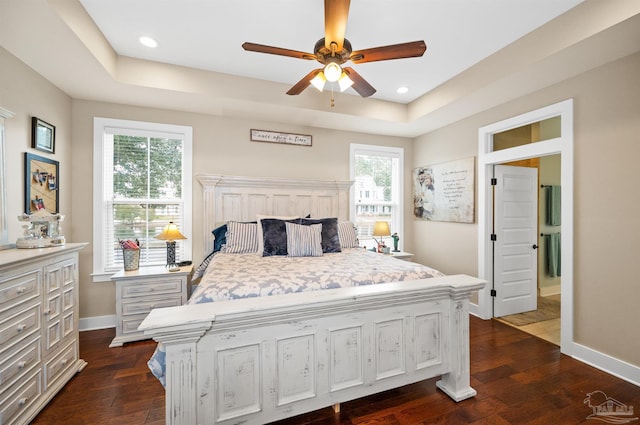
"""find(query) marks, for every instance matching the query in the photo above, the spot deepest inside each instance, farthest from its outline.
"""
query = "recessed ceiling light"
(148, 41)
(402, 90)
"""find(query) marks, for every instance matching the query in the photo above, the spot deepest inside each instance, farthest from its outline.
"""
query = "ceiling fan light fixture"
(319, 80)
(344, 82)
(332, 72)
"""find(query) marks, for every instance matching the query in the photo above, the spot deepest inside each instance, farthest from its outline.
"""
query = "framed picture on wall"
(40, 184)
(43, 135)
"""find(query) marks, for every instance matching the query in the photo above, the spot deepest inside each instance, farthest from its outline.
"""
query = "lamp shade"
(170, 233)
(381, 228)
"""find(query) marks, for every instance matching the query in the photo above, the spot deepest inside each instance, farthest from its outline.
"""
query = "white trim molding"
(605, 362)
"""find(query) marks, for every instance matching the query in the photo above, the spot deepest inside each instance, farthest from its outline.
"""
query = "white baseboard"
(606, 363)
(97, 322)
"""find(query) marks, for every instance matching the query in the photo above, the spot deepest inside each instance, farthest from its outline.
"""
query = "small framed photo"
(43, 135)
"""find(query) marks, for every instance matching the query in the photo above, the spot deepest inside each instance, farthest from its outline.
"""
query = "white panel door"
(515, 248)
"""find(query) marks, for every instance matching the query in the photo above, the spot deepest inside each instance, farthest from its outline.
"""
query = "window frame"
(397, 220)
(100, 126)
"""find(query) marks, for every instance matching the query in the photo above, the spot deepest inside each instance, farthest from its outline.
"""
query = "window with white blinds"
(142, 181)
(377, 192)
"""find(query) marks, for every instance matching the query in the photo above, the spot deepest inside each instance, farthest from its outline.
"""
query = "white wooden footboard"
(258, 360)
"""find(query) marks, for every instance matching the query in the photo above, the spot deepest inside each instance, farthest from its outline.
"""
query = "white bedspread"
(233, 276)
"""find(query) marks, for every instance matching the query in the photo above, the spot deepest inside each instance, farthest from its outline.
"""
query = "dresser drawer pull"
(22, 364)
(21, 327)
(22, 401)
(64, 362)
(46, 312)
(21, 290)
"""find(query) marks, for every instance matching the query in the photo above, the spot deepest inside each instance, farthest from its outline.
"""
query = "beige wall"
(27, 94)
(606, 205)
(220, 146)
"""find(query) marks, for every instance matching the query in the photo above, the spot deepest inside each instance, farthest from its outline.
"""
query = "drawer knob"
(22, 401)
(22, 364)
(21, 327)
(21, 290)
(64, 362)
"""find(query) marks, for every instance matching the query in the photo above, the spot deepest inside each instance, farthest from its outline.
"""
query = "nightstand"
(402, 255)
(140, 291)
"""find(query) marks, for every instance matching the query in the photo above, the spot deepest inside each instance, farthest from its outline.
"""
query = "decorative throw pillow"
(259, 219)
(274, 234)
(304, 240)
(220, 237)
(348, 235)
(330, 237)
(242, 238)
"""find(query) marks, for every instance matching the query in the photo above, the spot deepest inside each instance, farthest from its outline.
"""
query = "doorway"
(488, 157)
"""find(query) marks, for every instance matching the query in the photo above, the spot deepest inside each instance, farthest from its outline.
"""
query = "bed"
(307, 334)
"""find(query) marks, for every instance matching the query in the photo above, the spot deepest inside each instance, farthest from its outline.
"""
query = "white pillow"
(261, 235)
(348, 235)
(304, 241)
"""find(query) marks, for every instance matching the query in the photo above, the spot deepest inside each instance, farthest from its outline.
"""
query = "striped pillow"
(242, 238)
(304, 241)
(348, 235)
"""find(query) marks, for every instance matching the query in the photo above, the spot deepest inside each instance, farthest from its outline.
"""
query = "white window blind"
(144, 183)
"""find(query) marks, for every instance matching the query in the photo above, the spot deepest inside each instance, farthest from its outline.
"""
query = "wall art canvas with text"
(445, 191)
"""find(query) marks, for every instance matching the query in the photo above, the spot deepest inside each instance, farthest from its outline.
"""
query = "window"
(377, 191)
(142, 181)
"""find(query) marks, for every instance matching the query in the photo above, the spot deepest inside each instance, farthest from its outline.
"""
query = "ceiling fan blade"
(395, 51)
(336, 13)
(261, 48)
(304, 83)
(360, 85)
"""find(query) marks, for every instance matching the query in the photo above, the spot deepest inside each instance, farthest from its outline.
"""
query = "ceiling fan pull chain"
(333, 103)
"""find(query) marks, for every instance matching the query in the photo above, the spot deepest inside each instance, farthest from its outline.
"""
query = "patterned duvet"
(234, 276)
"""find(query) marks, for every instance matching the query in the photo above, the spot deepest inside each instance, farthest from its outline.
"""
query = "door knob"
(535, 246)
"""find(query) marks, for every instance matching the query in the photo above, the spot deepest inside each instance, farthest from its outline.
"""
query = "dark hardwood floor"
(520, 379)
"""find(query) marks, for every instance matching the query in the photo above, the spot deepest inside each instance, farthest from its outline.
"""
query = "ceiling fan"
(333, 50)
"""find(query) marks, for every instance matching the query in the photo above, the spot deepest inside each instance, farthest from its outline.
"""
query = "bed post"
(181, 374)
(457, 383)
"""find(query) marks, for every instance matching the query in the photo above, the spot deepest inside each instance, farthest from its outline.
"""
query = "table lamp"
(381, 228)
(171, 234)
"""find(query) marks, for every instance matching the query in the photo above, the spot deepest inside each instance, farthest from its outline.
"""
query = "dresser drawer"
(20, 398)
(19, 326)
(19, 363)
(19, 288)
(133, 306)
(59, 364)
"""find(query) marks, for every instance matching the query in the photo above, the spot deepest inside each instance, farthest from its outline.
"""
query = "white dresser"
(140, 291)
(39, 349)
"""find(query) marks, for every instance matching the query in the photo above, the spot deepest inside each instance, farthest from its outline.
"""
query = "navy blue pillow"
(274, 235)
(330, 238)
(220, 234)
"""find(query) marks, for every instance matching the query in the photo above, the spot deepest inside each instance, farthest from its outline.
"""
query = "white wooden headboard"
(242, 198)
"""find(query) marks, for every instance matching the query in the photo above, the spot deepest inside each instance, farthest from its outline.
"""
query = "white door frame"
(486, 159)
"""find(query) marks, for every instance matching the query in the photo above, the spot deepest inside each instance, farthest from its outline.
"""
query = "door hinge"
(493, 293)
(494, 237)
(494, 181)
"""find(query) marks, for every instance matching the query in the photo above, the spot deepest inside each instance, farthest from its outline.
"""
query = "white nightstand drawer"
(138, 289)
(130, 307)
